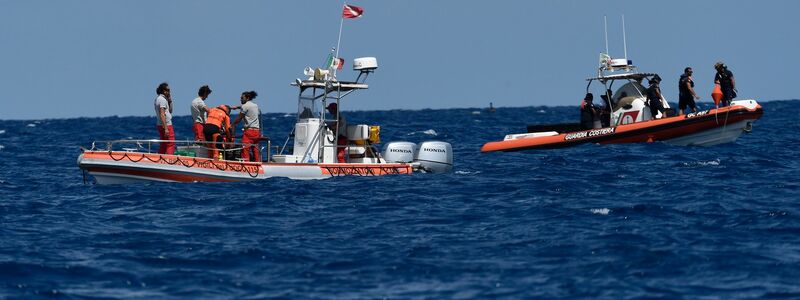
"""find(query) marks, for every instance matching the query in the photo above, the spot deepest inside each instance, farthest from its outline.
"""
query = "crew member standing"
(605, 111)
(341, 131)
(588, 112)
(252, 126)
(218, 123)
(726, 82)
(163, 106)
(686, 94)
(199, 111)
(654, 98)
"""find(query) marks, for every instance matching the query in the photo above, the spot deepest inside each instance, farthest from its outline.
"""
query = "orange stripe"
(559, 140)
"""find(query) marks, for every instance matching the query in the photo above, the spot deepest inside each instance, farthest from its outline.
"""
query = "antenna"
(605, 29)
(624, 41)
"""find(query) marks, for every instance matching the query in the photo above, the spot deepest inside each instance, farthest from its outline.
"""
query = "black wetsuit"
(685, 98)
(587, 115)
(653, 95)
(213, 134)
(725, 79)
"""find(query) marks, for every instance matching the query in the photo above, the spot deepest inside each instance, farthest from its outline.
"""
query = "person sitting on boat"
(163, 106)
(588, 112)
(199, 112)
(654, 97)
(686, 94)
(724, 78)
(218, 123)
(252, 126)
(341, 131)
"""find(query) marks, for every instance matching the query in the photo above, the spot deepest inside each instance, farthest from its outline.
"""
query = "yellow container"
(374, 134)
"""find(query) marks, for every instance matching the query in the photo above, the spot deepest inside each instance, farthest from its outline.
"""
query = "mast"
(339, 39)
(624, 41)
(605, 30)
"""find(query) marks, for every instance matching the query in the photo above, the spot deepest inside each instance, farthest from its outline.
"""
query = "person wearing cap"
(654, 97)
(218, 123)
(686, 94)
(341, 131)
(588, 112)
(727, 83)
(163, 107)
(199, 112)
(252, 126)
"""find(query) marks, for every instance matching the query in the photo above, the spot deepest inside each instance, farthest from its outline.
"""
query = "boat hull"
(120, 167)
(705, 128)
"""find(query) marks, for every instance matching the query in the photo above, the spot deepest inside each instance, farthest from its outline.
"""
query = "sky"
(92, 58)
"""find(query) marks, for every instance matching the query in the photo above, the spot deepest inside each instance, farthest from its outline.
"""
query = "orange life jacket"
(218, 117)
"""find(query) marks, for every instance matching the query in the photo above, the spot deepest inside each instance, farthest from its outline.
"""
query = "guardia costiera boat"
(630, 120)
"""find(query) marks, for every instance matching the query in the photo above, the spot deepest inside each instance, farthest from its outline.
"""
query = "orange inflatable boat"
(628, 118)
(704, 128)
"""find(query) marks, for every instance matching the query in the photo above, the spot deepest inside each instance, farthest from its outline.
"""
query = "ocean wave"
(467, 172)
(600, 211)
(2, 131)
(31, 125)
(702, 163)
(430, 132)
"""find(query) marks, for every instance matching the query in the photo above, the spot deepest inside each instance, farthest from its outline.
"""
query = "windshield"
(308, 109)
(632, 88)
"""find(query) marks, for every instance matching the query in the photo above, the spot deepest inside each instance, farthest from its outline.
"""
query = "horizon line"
(364, 110)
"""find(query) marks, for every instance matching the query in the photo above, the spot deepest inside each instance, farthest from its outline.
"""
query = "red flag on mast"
(352, 12)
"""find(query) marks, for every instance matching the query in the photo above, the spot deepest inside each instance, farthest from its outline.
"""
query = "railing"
(148, 147)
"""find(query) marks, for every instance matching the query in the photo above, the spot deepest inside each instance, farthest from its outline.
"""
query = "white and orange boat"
(313, 155)
(630, 120)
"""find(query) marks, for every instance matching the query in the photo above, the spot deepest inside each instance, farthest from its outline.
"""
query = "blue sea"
(625, 221)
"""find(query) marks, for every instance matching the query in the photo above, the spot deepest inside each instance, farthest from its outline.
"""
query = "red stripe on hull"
(158, 175)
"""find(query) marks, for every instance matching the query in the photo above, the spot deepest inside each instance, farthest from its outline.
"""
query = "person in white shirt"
(163, 107)
(199, 111)
(252, 126)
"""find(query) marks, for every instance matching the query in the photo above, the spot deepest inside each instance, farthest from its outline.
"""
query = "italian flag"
(334, 62)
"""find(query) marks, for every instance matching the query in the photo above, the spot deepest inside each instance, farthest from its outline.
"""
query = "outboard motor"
(400, 152)
(435, 157)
